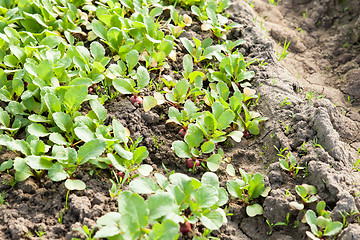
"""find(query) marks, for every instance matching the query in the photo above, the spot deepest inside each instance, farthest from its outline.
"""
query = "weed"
(303, 149)
(40, 233)
(349, 100)
(285, 102)
(300, 30)
(311, 94)
(315, 143)
(280, 151)
(274, 2)
(86, 232)
(304, 14)
(2, 198)
(272, 225)
(346, 214)
(284, 52)
(157, 141)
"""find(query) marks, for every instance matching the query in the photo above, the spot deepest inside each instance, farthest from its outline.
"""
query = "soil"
(324, 57)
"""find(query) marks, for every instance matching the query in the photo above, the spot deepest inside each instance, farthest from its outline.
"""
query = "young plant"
(179, 93)
(200, 50)
(214, 124)
(186, 116)
(321, 226)
(306, 193)
(134, 86)
(217, 24)
(232, 68)
(284, 52)
(288, 163)
(193, 147)
(250, 124)
(247, 189)
(180, 22)
(184, 201)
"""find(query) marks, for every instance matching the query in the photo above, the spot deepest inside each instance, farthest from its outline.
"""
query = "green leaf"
(181, 149)
(213, 162)
(256, 186)
(140, 154)
(91, 150)
(6, 165)
(51, 41)
(135, 206)
(236, 135)
(57, 172)
(166, 46)
(124, 86)
(160, 204)
(37, 118)
(207, 147)
(188, 45)
(37, 162)
(149, 102)
(253, 210)
(212, 220)
(230, 170)
(143, 185)
(52, 103)
(194, 136)
(57, 139)
(175, 115)
(22, 169)
(99, 110)
(164, 231)
(75, 184)
(119, 131)
(235, 187)
(15, 108)
(310, 217)
(312, 236)
(188, 64)
(320, 207)
(210, 179)
(38, 130)
(143, 77)
(145, 169)
(4, 118)
(63, 121)
(107, 232)
(254, 127)
(84, 133)
(206, 196)
(18, 86)
(333, 228)
(45, 70)
(225, 119)
(74, 96)
(132, 59)
(99, 29)
(296, 205)
(122, 152)
(97, 51)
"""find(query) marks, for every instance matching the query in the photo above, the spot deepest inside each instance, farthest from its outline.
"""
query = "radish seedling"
(288, 163)
(247, 189)
(306, 192)
(322, 225)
